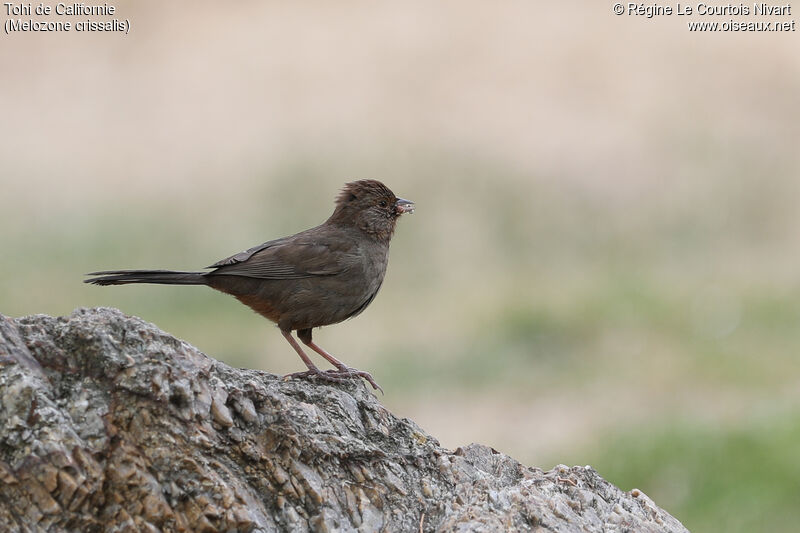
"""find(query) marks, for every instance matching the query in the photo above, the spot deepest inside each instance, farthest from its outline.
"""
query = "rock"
(109, 424)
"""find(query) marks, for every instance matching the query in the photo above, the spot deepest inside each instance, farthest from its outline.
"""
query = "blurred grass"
(716, 478)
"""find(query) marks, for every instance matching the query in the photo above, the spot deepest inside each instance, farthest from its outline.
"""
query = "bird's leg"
(312, 371)
(342, 369)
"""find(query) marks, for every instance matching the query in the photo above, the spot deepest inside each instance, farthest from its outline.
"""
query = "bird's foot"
(341, 375)
(350, 373)
(314, 373)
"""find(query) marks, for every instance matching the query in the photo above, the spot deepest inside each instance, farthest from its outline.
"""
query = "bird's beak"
(403, 206)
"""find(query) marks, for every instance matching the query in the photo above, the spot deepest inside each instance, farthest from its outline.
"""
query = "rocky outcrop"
(109, 424)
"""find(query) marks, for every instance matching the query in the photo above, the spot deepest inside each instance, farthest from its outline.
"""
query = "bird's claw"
(313, 374)
(340, 375)
(350, 373)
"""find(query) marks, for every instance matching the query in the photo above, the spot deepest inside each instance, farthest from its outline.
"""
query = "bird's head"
(370, 206)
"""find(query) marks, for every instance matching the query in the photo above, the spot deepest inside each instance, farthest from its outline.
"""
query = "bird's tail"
(162, 277)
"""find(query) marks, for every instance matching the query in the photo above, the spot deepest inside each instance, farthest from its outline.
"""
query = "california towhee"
(317, 277)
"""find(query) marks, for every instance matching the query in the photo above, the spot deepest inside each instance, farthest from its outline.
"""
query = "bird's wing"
(244, 256)
(290, 258)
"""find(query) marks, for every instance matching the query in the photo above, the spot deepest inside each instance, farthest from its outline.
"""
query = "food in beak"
(404, 206)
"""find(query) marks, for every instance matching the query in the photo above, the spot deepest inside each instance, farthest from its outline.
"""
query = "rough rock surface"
(109, 424)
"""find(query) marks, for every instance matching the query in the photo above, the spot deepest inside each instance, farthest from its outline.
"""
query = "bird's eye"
(383, 203)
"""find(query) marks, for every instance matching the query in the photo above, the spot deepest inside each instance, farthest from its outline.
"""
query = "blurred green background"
(603, 267)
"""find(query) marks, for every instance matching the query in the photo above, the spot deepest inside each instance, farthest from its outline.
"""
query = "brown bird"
(317, 277)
